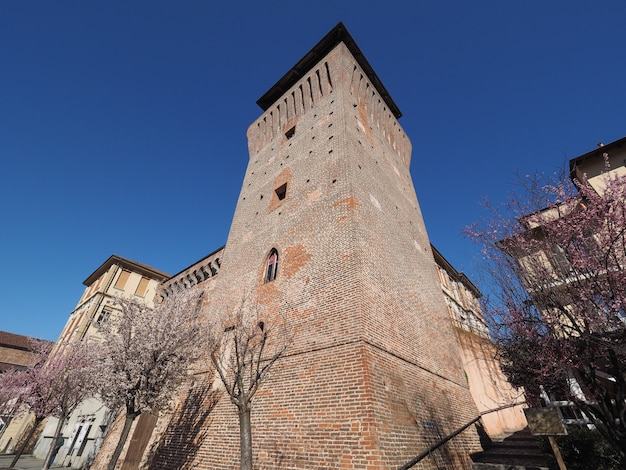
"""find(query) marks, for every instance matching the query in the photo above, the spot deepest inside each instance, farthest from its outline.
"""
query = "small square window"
(290, 133)
(281, 192)
(103, 317)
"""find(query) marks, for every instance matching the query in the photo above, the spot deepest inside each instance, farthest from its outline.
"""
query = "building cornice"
(594, 154)
(454, 274)
(140, 268)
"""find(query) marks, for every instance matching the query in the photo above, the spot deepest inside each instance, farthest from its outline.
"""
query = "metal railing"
(452, 435)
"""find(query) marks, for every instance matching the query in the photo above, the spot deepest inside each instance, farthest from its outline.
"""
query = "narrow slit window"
(272, 266)
(281, 191)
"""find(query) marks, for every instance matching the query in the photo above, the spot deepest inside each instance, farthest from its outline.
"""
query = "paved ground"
(26, 462)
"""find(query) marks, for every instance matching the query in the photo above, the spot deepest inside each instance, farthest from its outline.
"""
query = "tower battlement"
(335, 63)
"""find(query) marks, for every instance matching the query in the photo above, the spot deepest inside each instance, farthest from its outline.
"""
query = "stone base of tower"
(343, 407)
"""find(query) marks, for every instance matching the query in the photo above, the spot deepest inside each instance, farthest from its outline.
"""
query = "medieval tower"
(328, 231)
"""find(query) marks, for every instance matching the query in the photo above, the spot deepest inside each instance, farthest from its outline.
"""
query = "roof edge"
(140, 268)
(574, 162)
(336, 36)
(457, 275)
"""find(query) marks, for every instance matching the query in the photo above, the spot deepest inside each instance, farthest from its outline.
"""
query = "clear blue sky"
(122, 123)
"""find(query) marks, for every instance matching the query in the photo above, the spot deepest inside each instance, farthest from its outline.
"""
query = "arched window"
(272, 266)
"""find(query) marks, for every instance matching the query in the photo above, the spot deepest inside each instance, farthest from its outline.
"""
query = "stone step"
(498, 466)
(519, 451)
(530, 445)
(511, 458)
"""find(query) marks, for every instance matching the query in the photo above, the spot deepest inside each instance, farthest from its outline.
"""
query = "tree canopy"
(146, 354)
(555, 255)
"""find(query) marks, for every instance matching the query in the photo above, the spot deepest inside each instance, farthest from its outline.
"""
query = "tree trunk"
(25, 443)
(128, 422)
(245, 438)
(53, 445)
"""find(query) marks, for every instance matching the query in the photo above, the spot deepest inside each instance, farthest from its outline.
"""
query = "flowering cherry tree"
(54, 385)
(556, 256)
(69, 369)
(146, 353)
(15, 389)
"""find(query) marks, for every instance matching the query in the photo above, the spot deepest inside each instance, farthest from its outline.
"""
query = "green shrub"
(583, 449)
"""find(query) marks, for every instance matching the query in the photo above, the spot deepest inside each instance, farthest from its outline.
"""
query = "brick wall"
(346, 406)
(12, 358)
(15, 351)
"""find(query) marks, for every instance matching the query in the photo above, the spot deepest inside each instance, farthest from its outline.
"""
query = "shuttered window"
(123, 279)
(142, 287)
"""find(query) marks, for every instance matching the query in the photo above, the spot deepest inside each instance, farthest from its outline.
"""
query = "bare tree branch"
(244, 348)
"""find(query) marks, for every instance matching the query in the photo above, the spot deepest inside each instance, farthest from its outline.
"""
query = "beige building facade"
(492, 393)
(117, 277)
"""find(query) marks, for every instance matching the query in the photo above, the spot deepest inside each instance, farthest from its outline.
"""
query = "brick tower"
(373, 375)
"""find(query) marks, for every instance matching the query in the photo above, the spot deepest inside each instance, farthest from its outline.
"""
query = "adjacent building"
(487, 383)
(116, 277)
(16, 353)
(571, 259)
(592, 165)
